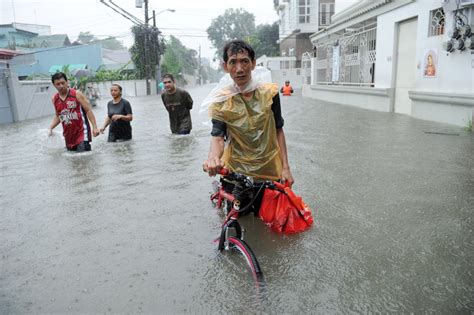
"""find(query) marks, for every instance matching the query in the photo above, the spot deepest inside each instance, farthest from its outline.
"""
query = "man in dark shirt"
(178, 103)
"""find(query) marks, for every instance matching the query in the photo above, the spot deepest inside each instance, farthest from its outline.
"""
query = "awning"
(71, 67)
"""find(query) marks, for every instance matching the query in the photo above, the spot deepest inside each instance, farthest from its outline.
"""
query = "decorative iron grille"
(355, 62)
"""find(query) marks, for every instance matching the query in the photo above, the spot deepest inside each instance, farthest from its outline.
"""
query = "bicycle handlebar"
(226, 172)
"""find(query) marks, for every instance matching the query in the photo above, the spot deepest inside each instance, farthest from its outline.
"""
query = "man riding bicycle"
(247, 116)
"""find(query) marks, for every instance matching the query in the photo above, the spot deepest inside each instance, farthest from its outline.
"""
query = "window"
(304, 11)
(437, 22)
(326, 11)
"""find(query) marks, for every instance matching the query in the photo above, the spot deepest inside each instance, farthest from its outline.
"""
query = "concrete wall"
(454, 71)
(30, 99)
(363, 97)
(129, 88)
(450, 108)
(23, 100)
(6, 114)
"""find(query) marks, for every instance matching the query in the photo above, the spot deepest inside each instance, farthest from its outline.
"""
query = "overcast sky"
(188, 23)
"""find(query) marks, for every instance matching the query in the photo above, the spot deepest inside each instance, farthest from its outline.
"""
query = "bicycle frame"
(231, 218)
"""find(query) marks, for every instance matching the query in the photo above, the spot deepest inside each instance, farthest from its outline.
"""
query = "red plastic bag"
(284, 211)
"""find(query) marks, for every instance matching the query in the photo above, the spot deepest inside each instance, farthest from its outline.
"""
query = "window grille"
(437, 22)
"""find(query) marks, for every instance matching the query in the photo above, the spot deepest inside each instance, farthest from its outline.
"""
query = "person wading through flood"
(249, 119)
(74, 112)
(287, 89)
(178, 103)
(119, 116)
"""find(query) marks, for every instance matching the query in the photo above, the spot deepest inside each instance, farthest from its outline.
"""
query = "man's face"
(240, 67)
(61, 85)
(169, 85)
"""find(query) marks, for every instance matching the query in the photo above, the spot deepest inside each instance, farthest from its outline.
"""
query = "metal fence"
(348, 59)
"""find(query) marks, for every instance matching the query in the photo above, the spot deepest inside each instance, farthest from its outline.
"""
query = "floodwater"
(128, 227)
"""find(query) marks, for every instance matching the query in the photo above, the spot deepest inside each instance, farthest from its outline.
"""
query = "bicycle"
(234, 194)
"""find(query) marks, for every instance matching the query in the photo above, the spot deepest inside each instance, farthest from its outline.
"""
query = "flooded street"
(128, 227)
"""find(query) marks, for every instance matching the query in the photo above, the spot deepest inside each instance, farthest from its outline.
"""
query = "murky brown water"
(128, 228)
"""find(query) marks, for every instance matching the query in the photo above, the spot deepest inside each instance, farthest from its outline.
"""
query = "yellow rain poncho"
(252, 147)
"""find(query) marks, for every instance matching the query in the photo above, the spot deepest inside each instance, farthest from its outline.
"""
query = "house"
(11, 36)
(298, 19)
(411, 57)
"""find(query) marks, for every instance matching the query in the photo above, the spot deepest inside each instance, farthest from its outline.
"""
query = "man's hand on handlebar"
(212, 166)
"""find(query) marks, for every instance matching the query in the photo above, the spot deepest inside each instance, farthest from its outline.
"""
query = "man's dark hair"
(119, 87)
(58, 76)
(235, 46)
(169, 76)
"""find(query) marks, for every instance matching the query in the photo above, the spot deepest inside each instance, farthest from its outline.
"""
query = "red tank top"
(75, 123)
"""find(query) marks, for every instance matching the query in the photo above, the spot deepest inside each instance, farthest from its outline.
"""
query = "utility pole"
(158, 66)
(145, 46)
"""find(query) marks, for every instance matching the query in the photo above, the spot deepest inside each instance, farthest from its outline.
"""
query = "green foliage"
(265, 40)
(178, 59)
(239, 24)
(86, 37)
(233, 24)
(469, 125)
(153, 50)
(111, 43)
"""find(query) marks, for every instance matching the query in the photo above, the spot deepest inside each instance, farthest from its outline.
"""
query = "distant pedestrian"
(178, 103)
(287, 89)
(92, 94)
(74, 112)
(119, 116)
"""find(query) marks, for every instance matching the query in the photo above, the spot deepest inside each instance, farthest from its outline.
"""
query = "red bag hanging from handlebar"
(284, 211)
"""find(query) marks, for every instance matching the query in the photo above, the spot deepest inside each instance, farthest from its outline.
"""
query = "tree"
(265, 40)
(153, 50)
(111, 43)
(233, 24)
(178, 59)
(86, 37)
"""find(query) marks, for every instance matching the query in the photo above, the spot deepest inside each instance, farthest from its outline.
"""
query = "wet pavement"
(128, 228)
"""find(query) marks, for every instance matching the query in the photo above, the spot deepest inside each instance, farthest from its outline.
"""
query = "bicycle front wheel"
(243, 248)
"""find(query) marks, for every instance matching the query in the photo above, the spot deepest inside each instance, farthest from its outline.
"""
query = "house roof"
(8, 54)
(57, 40)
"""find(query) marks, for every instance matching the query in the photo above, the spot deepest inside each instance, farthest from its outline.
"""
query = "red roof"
(9, 54)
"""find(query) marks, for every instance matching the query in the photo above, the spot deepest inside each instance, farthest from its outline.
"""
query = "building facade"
(411, 57)
(298, 19)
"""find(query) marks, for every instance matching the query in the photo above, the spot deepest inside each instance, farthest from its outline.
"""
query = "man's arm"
(286, 173)
(87, 109)
(53, 125)
(189, 101)
(214, 163)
